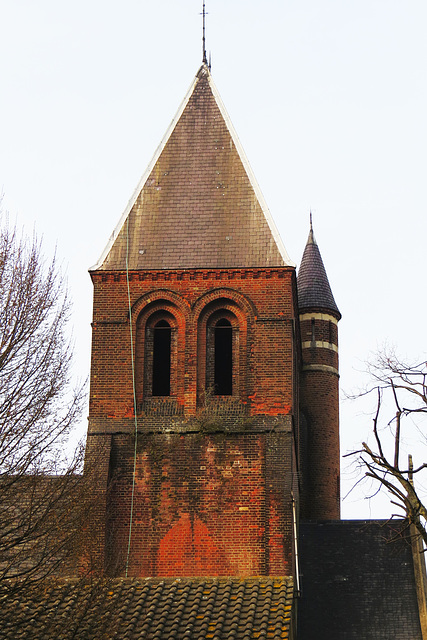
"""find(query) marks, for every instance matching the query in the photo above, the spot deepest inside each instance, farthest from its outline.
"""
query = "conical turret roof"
(314, 290)
(198, 204)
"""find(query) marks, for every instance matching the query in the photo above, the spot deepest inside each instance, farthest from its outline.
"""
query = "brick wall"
(262, 301)
(203, 505)
(213, 474)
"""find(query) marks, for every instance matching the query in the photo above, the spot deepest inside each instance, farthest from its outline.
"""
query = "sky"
(329, 100)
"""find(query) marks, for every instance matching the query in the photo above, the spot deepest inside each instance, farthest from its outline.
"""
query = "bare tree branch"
(402, 382)
(43, 497)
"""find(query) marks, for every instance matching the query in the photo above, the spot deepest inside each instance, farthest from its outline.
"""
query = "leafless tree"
(42, 495)
(401, 405)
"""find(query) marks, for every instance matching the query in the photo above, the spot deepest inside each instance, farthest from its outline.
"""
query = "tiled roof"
(314, 291)
(198, 205)
(154, 609)
(357, 581)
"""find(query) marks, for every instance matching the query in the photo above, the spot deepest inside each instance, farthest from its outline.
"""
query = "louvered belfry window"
(223, 358)
(161, 359)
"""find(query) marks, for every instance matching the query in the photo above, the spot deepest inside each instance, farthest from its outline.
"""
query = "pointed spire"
(314, 290)
(311, 239)
(198, 205)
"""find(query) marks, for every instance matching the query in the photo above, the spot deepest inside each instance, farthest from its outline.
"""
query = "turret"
(319, 316)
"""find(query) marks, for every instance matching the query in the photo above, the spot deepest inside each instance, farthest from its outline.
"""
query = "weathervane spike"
(205, 60)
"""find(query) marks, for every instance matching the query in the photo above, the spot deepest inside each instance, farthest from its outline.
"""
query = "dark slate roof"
(150, 609)
(314, 290)
(198, 205)
(357, 582)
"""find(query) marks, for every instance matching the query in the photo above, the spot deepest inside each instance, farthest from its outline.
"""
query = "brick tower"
(320, 459)
(195, 366)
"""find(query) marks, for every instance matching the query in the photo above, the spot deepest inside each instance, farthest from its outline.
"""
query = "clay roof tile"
(92, 613)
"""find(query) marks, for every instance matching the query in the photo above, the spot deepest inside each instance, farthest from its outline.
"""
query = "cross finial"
(205, 60)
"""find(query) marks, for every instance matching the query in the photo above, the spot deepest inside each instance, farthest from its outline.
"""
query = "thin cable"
(134, 399)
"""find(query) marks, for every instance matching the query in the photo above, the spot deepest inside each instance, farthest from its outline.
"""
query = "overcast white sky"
(329, 99)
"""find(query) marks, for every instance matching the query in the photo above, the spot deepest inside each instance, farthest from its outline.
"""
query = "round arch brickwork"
(241, 301)
(240, 312)
(158, 295)
(149, 310)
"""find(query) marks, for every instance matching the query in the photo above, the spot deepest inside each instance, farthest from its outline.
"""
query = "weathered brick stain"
(197, 492)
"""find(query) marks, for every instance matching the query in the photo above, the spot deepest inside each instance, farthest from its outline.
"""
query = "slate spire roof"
(314, 290)
(198, 204)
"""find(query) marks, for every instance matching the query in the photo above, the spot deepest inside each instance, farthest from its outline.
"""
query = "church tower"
(320, 459)
(194, 407)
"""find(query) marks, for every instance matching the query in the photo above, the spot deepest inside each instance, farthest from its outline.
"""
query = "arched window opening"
(223, 358)
(220, 337)
(157, 356)
(161, 359)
